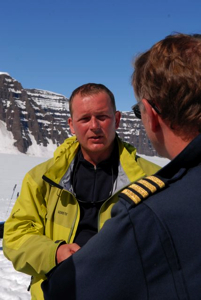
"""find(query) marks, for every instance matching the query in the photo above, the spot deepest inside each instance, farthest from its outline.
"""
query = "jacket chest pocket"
(62, 207)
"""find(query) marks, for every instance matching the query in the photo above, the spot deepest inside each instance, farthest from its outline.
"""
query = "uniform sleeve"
(24, 242)
(107, 267)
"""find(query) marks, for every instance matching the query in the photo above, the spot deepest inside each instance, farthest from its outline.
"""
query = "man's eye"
(102, 118)
(86, 119)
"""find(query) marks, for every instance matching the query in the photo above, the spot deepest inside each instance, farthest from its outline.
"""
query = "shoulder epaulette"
(142, 188)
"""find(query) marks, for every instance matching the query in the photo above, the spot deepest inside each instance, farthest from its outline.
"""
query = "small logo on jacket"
(62, 212)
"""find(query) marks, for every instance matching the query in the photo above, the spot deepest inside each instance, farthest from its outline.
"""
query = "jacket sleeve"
(107, 267)
(24, 242)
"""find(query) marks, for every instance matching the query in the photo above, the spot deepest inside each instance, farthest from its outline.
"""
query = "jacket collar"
(64, 157)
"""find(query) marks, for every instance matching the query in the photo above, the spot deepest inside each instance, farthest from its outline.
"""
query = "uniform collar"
(186, 159)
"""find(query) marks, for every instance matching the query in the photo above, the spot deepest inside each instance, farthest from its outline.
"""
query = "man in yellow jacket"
(66, 200)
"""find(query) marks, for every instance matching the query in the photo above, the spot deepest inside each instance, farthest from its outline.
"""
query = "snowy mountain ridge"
(32, 119)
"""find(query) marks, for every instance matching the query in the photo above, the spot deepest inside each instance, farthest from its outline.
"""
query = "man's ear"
(117, 119)
(151, 115)
(70, 123)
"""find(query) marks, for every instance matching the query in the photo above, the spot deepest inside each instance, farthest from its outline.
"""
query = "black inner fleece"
(92, 187)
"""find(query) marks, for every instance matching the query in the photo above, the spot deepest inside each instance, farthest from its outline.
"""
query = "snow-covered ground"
(13, 285)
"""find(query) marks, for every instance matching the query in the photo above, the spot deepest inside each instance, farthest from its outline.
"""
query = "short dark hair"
(90, 89)
(170, 75)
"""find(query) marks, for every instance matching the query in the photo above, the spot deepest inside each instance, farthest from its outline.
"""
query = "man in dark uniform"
(151, 248)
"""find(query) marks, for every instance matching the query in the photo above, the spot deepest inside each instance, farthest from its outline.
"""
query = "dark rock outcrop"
(31, 112)
(132, 131)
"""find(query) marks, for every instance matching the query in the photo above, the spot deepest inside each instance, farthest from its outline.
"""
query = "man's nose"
(94, 124)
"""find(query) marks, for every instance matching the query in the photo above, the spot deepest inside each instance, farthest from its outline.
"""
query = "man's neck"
(175, 144)
(96, 157)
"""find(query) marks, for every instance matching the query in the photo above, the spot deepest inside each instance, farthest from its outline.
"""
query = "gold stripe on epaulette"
(139, 189)
(159, 182)
(150, 186)
(137, 193)
(131, 195)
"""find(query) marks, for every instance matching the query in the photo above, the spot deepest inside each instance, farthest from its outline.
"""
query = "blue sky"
(61, 44)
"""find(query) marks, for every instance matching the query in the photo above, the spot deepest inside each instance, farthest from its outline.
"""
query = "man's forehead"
(91, 96)
(92, 108)
(98, 100)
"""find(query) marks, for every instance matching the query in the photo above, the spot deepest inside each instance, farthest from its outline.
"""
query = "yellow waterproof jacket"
(46, 212)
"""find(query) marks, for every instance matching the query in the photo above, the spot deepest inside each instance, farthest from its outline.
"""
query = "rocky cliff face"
(32, 113)
(43, 115)
(132, 131)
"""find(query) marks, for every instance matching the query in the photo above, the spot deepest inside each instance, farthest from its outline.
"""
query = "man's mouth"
(96, 137)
